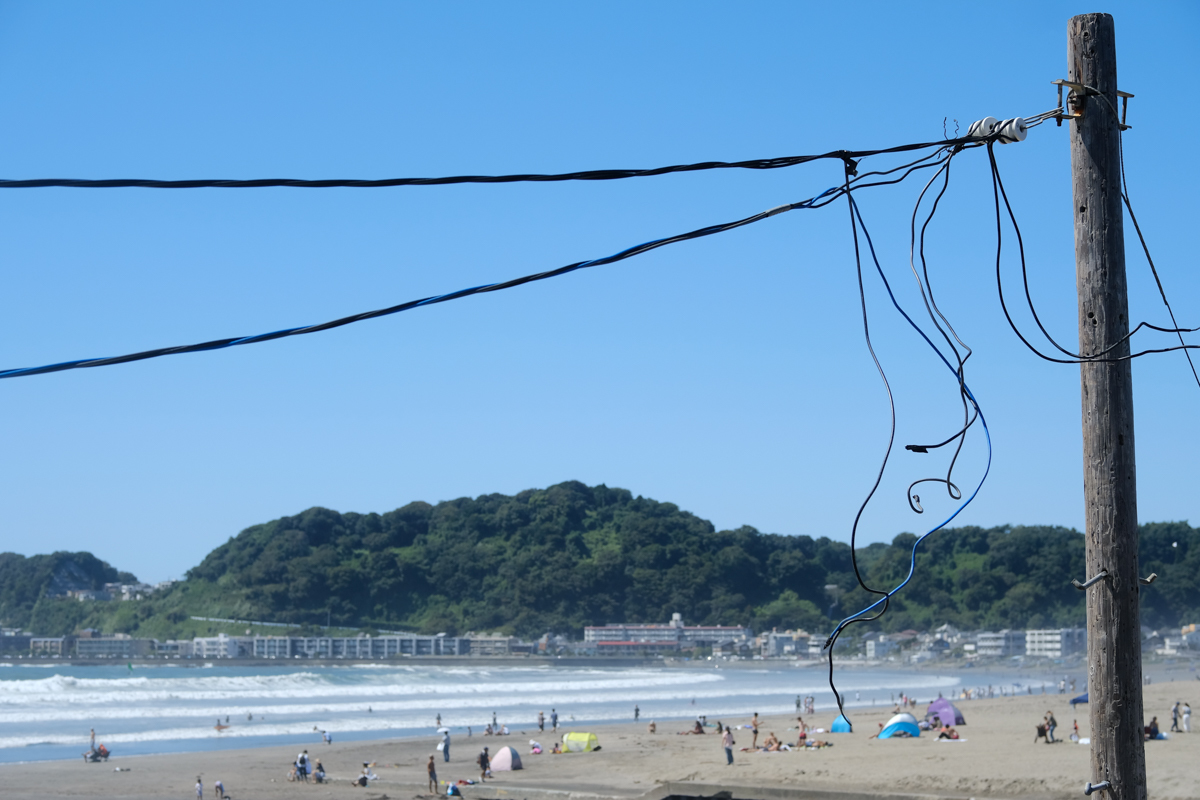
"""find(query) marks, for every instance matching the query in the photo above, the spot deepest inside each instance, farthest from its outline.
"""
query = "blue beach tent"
(901, 723)
(841, 725)
(1083, 698)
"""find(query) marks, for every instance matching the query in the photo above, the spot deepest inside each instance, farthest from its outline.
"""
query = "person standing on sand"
(494, 725)
(199, 788)
(554, 719)
(431, 768)
(439, 720)
(93, 739)
(637, 712)
(484, 764)
(1051, 724)
(1187, 718)
(446, 746)
(1175, 718)
(541, 722)
(727, 743)
(754, 729)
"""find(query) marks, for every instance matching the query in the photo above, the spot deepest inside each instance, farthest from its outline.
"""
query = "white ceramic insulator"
(982, 128)
(1012, 130)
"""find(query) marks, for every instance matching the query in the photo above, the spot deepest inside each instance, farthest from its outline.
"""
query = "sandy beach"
(997, 757)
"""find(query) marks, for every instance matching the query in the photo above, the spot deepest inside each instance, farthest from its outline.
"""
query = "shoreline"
(995, 758)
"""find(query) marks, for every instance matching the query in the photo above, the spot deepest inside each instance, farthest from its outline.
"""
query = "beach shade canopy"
(905, 723)
(1083, 698)
(944, 710)
(505, 760)
(580, 742)
(840, 725)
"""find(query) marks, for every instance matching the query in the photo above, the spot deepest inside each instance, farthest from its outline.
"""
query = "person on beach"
(1051, 724)
(754, 730)
(364, 777)
(637, 711)
(771, 743)
(541, 722)
(727, 742)
(1187, 718)
(327, 737)
(652, 727)
(485, 764)
(92, 745)
(446, 746)
(553, 720)
(494, 725)
(219, 789)
(318, 772)
(302, 767)
(1175, 718)
(439, 720)
(1151, 732)
(431, 768)
(199, 788)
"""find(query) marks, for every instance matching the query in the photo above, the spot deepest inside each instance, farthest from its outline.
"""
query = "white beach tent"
(901, 723)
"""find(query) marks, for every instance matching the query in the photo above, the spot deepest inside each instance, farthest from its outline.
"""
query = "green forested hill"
(571, 555)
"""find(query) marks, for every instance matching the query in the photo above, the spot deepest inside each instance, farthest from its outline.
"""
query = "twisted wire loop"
(914, 500)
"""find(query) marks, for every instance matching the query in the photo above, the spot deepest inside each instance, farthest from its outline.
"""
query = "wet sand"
(996, 758)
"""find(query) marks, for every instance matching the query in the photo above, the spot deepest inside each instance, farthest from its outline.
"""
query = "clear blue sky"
(728, 375)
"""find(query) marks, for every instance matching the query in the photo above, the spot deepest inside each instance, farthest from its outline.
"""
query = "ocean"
(47, 708)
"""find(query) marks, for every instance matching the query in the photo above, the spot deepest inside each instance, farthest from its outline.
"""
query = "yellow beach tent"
(580, 742)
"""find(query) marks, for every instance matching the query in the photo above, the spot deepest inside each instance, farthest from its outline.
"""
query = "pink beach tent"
(505, 760)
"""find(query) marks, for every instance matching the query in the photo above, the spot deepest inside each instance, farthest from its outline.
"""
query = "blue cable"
(221, 344)
(987, 433)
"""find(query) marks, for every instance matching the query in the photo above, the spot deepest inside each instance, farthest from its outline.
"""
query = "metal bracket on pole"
(1076, 99)
(1094, 579)
(1090, 787)
(1148, 581)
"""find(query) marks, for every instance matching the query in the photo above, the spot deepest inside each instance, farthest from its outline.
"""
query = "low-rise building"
(1004, 643)
(686, 636)
(880, 648)
(1056, 643)
(120, 645)
(51, 645)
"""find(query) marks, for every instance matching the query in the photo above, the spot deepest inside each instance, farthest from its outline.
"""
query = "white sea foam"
(59, 689)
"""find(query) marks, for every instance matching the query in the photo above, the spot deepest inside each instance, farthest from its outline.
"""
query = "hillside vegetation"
(560, 558)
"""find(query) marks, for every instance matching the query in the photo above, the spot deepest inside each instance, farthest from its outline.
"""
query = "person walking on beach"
(554, 719)
(727, 742)
(199, 788)
(431, 768)
(637, 712)
(446, 747)
(541, 722)
(485, 764)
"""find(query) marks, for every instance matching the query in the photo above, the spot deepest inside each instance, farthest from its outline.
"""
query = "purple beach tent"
(944, 710)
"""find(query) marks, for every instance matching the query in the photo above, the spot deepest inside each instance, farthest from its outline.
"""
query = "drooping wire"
(350, 183)
(1145, 249)
(383, 312)
(935, 313)
(862, 296)
(1076, 358)
(884, 601)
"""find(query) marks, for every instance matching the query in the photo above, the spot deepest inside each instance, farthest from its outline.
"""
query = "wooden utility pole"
(1109, 475)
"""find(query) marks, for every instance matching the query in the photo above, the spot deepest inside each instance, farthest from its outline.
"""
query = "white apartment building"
(1001, 643)
(1056, 643)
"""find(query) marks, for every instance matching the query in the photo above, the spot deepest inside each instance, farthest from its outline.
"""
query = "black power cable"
(349, 183)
